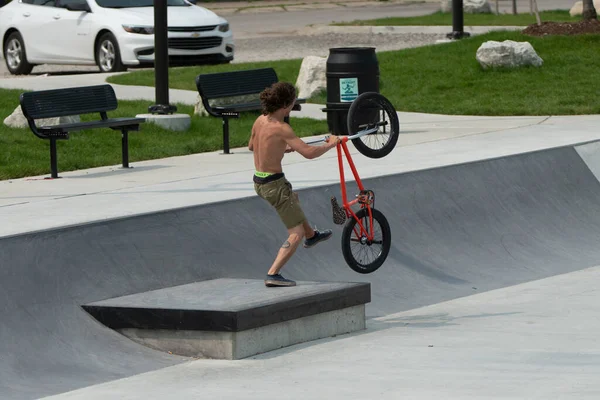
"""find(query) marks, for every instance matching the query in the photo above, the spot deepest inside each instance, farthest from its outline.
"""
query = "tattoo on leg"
(286, 244)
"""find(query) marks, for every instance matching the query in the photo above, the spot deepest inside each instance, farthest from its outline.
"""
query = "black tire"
(351, 242)
(108, 54)
(369, 109)
(15, 55)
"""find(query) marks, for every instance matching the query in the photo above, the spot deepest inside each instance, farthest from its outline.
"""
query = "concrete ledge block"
(243, 344)
(235, 318)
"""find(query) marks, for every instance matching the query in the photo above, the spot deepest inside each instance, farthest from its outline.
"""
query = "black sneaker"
(318, 237)
(278, 280)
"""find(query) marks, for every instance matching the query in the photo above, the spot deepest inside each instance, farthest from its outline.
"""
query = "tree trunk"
(589, 12)
(537, 12)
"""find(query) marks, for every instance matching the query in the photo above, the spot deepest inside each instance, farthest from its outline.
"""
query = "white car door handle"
(26, 14)
(56, 17)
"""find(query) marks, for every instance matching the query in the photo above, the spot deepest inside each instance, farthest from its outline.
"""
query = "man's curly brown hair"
(276, 96)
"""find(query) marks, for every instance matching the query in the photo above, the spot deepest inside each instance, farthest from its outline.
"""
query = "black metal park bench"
(227, 94)
(70, 102)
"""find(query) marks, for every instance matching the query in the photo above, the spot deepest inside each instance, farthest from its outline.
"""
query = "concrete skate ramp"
(456, 231)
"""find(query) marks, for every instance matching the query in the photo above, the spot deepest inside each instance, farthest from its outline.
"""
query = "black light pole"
(161, 60)
(457, 21)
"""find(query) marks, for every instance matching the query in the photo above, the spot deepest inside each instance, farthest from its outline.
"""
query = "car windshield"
(137, 3)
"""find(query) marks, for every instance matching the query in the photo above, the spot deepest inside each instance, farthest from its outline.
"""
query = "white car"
(113, 34)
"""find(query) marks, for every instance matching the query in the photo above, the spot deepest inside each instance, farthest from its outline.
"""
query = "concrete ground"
(531, 340)
(536, 340)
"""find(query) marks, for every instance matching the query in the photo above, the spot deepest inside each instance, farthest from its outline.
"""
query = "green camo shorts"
(277, 191)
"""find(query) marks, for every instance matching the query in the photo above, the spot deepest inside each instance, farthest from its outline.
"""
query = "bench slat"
(235, 83)
(68, 101)
(247, 106)
(54, 103)
(78, 126)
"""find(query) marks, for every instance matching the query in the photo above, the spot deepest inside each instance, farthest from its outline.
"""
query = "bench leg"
(226, 135)
(125, 148)
(53, 162)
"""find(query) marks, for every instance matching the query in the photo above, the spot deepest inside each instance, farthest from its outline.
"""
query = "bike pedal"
(339, 215)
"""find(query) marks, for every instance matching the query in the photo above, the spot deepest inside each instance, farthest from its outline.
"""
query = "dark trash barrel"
(350, 71)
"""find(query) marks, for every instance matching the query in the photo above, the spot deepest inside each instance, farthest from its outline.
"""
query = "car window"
(63, 3)
(138, 3)
(48, 3)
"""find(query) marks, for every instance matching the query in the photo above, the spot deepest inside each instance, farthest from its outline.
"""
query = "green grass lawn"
(23, 154)
(184, 77)
(441, 18)
(447, 79)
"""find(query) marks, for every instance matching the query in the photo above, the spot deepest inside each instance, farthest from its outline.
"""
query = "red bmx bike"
(373, 129)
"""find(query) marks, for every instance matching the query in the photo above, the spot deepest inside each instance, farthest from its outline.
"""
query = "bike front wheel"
(370, 110)
(362, 255)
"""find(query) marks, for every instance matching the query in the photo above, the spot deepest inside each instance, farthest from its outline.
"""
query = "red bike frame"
(342, 146)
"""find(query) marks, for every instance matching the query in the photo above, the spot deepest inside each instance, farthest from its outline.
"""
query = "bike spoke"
(367, 253)
(379, 139)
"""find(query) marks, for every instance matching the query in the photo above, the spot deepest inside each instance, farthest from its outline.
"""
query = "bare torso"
(267, 144)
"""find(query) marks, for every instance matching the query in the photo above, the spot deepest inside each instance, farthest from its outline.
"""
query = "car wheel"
(15, 56)
(108, 56)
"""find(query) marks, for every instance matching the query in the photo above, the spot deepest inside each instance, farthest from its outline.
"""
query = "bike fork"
(347, 205)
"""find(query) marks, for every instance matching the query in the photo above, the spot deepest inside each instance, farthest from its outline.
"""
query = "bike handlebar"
(351, 137)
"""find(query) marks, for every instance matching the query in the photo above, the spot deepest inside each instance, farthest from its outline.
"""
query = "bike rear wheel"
(370, 110)
(362, 255)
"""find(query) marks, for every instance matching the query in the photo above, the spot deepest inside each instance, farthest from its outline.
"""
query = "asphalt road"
(288, 23)
(250, 25)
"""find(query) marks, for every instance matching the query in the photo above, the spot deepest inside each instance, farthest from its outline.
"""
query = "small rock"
(507, 54)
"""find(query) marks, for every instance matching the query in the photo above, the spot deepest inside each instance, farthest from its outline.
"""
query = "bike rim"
(363, 250)
(379, 139)
(14, 54)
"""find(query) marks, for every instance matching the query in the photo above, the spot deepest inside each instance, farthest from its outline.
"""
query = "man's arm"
(250, 144)
(307, 151)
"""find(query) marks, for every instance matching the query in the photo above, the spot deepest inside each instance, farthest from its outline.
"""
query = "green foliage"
(442, 18)
(23, 154)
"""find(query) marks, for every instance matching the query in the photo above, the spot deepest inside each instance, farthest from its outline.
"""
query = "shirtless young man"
(271, 138)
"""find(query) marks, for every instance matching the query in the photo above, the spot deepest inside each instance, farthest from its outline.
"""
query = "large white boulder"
(469, 6)
(507, 54)
(312, 76)
(577, 8)
(18, 120)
